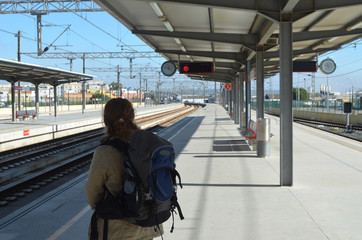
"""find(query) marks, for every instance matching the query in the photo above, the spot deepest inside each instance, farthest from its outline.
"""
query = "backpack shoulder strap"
(117, 144)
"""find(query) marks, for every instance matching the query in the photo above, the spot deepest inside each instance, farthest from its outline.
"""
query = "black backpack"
(149, 194)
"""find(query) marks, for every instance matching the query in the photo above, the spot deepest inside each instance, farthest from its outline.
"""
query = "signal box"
(196, 67)
(305, 66)
(347, 107)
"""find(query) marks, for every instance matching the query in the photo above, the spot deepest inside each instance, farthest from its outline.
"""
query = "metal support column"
(83, 88)
(234, 100)
(260, 82)
(247, 95)
(286, 100)
(227, 100)
(13, 108)
(55, 100)
(224, 97)
(19, 60)
(83, 97)
(37, 99)
(230, 101)
(242, 113)
(237, 100)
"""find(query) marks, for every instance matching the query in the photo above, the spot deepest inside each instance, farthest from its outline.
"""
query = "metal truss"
(48, 6)
(125, 69)
(81, 55)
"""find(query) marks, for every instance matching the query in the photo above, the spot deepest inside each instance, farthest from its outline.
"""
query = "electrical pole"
(352, 96)
(83, 88)
(19, 46)
(146, 92)
(118, 85)
(39, 34)
(19, 60)
(140, 88)
(130, 67)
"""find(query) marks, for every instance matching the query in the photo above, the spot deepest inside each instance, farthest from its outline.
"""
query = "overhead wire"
(52, 24)
(101, 29)
(56, 25)
(34, 40)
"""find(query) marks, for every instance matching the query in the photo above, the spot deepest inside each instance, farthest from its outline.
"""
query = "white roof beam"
(239, 57)
(248, 40)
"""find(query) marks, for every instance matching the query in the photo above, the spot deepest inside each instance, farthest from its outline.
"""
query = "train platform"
(229, 192)
(47, 127)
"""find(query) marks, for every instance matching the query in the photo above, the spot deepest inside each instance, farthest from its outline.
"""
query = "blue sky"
(85, 35)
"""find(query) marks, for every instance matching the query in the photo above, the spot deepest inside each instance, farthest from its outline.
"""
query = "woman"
(106, 171)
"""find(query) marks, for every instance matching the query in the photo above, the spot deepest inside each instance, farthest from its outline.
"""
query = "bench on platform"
(252, 130)
(25, 114)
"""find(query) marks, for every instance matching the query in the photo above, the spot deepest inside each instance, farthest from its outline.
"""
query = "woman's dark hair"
(118, 117)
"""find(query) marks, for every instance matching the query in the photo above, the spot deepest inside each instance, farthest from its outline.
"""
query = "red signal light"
(196, 67)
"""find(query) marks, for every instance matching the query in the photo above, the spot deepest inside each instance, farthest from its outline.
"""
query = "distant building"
(73, 91)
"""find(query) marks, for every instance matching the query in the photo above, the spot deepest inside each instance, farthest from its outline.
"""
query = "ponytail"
(118, 117)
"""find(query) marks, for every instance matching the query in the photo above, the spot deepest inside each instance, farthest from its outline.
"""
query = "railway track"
(334, 128)
(329, 124)
(25, 170)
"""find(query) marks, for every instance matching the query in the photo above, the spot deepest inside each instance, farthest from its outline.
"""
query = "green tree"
(303, 94)
(114, 86)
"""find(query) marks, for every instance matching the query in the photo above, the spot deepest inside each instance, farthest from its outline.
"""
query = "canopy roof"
(229, 32)
(13, 71)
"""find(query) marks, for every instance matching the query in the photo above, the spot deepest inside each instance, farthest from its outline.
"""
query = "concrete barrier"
(33, 134)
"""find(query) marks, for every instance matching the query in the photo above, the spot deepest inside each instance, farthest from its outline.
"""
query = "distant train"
(187, 103)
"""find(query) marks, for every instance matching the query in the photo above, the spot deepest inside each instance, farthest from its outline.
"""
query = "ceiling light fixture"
(183, 48)
(177, 40)
(354, 26)
(168, 26)
(333, 39)
(156, 8)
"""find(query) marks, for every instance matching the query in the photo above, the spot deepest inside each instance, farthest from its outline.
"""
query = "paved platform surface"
(230, 194)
